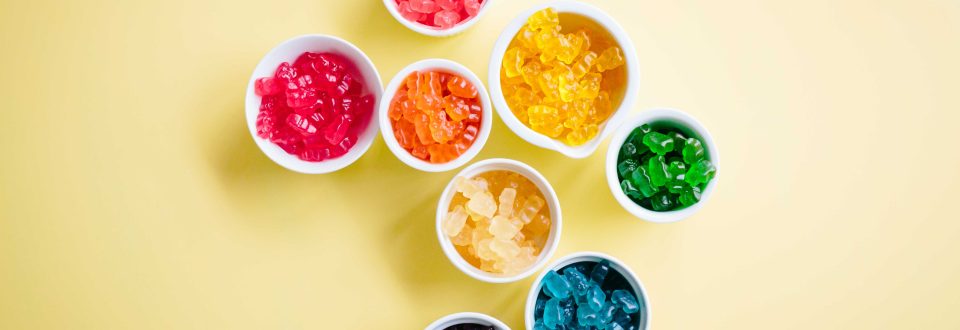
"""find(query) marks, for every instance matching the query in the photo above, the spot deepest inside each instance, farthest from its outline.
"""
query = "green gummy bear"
(690, 195)
(693, 151)
(662, 201)
(676, 186)
(641, 180)
(657, 168)
(626, 167)
(630, 190)
(628, 150)
(700, 172)
(678, 139)
(659, 143)
(677, 170)
(636, 137)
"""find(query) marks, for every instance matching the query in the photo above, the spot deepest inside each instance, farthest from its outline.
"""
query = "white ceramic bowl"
(549, 194)
(619, 266)
(466, 317)
(543, 141)
(431, 31)
(685, 123)
(442, 65)
(288, 51)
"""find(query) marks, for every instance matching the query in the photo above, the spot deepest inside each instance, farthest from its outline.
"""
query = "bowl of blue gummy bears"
(587, 290)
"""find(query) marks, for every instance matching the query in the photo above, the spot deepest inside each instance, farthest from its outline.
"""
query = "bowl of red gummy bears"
(310, 103)
(437, 18)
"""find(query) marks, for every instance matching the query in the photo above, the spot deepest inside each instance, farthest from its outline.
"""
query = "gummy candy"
(314, 108)
(663, 169)
(574, 301)
(493, 236)
(435, 115)
(559, 84)
(439, 14)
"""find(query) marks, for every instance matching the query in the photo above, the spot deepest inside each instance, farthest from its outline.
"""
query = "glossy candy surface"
(435, 115)
(558, 79)
(439, 14)
(498, 221)
(662, 169)
(315, 108)
(569, 299)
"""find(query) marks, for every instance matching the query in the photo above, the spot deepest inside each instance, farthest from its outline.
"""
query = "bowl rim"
(607, 127)
(391, 6)
(474, 317)
(252, 102)
(656, 115)
(434, 64)
(553, 240)
(638, 288)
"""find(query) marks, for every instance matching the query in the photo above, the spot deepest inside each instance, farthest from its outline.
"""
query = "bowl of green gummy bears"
(662, 165)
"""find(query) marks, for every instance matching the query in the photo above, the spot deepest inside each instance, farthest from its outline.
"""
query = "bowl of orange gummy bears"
(499, 220)
(563, 75)
(436, 115)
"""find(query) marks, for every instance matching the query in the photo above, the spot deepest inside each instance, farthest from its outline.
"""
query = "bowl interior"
(467, 317)
(630, 277)
(441, 65)
(661, 118)
(582, 15)
(549, 194)
(288, 51)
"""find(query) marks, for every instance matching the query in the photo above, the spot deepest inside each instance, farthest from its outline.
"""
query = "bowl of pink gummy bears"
(437, 18)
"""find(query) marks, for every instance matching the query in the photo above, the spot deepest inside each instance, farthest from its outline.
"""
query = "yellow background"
(132, 196)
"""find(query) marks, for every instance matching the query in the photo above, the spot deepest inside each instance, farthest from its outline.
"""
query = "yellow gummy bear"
(548, 42)
(582, 134)
(589, 86)
(530, 71)
(545, 19)
(582, 66)
(611, 58)
(527, 38)
(586, 39)
(570, 47)
(541, 114)
(513, 61)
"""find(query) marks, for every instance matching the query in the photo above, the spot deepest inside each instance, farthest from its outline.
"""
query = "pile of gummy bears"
(556, 83)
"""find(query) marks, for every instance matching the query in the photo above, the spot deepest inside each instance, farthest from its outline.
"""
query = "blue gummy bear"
(599, 272)
(595, 297)
(551, 313)
(577, 280)
(556, 286)
(626, 301)
(587, 317)
(606, 313)
(569, 311)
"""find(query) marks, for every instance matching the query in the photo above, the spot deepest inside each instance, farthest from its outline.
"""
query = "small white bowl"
(617, 265)
(466, 317)
(543, 141)
(288, 51)
(686, 123)
(442, 65)
(431, 31)
(549, 194)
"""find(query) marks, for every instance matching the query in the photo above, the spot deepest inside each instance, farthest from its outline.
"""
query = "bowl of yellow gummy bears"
(498, 220)
(563, 75)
